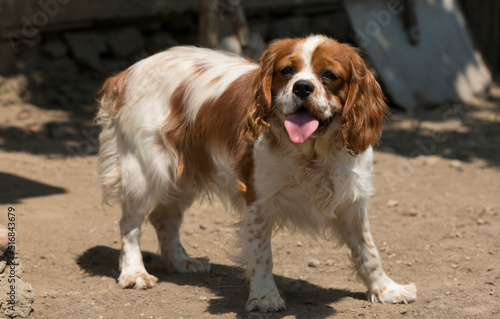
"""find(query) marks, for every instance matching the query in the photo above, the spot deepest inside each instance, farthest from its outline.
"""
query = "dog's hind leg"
(167, 219)
(137, 202)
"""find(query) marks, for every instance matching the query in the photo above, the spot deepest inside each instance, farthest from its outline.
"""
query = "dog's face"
(317, 87)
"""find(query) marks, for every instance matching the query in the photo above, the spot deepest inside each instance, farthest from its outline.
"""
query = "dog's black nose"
(303, 88)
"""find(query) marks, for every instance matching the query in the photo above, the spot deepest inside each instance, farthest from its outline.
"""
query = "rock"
(481, 221)
(4, 240)
(25, 296)
(125, 42)
(392, 203)
(86, 47)
(294, 26)
(23, 292)
(456, 164)
(313, 263)
(330, 262)
(412, 213)
(55, 48)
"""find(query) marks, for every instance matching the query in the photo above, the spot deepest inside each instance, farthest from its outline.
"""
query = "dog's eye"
(329, 76)
(287, 71)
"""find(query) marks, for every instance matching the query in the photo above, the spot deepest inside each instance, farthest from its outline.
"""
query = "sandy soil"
(435, 218)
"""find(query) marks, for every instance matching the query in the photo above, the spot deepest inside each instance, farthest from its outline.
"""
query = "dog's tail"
(109, 167)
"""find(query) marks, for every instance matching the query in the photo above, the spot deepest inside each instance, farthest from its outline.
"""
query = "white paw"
(393, 293)
(188, 264)
(265, 303)
(137, 280)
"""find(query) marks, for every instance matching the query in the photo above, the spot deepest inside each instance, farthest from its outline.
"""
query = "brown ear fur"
(258, 120)
(364, 110)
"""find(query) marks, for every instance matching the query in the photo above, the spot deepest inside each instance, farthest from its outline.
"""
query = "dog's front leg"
(355, 230)
(256, 245)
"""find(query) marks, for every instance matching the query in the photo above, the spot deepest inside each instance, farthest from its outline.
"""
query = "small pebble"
(392, 203)
(313, 263)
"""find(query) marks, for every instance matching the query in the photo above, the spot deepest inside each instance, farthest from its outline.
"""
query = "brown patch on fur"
(219, 123)
(364, 109)
(114, 89)
(279, 54)
(355, 88)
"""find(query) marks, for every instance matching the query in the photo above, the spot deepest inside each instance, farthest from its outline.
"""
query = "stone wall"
(65, 68)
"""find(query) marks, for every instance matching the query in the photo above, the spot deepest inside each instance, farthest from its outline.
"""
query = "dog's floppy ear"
(259, 118)
(364, 110)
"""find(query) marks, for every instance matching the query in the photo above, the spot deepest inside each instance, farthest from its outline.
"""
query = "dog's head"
(315, 87)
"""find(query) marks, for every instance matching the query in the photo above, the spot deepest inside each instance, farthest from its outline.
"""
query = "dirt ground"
(435, 218)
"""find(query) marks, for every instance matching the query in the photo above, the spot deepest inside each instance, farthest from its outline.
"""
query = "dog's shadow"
(304, 300)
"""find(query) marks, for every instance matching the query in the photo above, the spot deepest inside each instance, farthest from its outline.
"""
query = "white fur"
(315, 187)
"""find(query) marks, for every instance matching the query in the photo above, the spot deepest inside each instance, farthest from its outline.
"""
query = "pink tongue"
(300, 126)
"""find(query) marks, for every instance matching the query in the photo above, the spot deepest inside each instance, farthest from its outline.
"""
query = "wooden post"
(209, 23)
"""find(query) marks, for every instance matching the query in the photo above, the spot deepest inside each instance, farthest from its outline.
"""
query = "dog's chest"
(300, 184)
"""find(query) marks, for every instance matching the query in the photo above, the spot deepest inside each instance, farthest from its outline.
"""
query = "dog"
(288, 141)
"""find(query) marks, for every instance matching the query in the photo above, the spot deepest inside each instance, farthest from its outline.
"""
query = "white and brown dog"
(288, 141)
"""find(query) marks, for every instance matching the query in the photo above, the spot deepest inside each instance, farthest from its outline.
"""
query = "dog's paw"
(266, 303)
(137, 280)
(393, 293)
(188, 264)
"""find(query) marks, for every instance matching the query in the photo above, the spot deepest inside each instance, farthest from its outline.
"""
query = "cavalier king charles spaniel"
(287, 141)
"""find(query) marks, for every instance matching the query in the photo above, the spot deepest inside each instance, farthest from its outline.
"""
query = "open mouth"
(301, 125)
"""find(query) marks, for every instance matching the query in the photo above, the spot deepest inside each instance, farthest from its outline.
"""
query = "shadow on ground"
(13, 188)
(433, 133)
(226, 282)
(67, 139)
